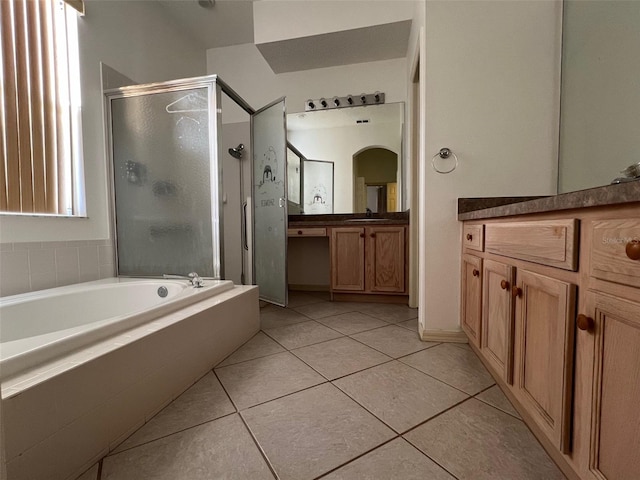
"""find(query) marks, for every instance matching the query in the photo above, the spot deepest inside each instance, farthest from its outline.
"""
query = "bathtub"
(37, 327)
(85, 366)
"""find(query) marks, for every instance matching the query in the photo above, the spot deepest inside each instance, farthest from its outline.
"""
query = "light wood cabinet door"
(471, 297)
(347, 259)
(545, 318)
(497, 317)
(614, 433)
(385, 259)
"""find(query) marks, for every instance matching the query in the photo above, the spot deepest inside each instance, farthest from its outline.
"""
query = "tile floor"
(336, 391)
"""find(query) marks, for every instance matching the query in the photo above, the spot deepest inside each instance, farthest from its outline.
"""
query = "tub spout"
(193, 278)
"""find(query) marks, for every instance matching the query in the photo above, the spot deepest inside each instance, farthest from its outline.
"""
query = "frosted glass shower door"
(269, 149)
(166, 181)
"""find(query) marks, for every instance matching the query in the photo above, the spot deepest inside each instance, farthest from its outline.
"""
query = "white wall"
(338, 145)
(277, 20)
(492, 96)
(600, 94)
(246, 71)
(139, 41)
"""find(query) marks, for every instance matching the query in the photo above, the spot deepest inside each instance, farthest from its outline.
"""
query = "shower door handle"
(244, 226)
(281, 202)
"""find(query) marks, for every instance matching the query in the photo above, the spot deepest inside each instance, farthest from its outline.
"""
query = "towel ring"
(444, 153)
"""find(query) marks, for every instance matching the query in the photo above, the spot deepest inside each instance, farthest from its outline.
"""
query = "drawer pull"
(516, 292)
(299, 232)
(476, 272)
(504, 285)
(585, 323)
(469, 237)
(633, 249)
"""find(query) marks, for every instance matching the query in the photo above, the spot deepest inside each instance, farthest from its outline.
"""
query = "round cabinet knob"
(584, 322)
(362, 235)
(469, 237)
(633, 249)
(299, 232)
(373, 235)
(504, 285)
(516, 292)
(476, 272)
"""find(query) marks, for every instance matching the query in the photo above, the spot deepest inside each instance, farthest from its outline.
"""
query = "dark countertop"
(341, 219)
(593, 197)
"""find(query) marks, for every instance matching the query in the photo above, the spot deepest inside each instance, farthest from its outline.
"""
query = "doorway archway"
(375, 177)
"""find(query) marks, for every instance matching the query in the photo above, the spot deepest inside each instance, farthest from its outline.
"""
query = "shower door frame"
(214, 91)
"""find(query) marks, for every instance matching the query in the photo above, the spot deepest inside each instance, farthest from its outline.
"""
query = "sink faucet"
(369, 212)
(193, 277)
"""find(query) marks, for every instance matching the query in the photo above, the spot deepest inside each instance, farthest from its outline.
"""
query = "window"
(40, 139)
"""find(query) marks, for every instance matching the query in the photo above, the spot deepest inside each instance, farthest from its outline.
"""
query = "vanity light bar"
(344, 102)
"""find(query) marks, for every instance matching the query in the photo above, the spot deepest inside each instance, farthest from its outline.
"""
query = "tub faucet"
(193, 277)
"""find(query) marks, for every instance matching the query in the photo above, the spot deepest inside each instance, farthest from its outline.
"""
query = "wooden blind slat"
(10, 108)
(49, 106)
(36, 104)
(24, 127)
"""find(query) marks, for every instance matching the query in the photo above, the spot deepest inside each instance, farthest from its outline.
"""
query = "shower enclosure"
(165, 151)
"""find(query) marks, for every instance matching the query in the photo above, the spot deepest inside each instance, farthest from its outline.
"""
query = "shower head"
(237, 152)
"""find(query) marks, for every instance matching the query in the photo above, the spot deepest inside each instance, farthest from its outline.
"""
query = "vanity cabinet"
(560, 330)
(544, 338)
(610, 328)
(497, 317)
(368, 259)
(471, 297)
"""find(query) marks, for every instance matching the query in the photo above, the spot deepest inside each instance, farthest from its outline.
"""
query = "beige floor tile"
(399, 395)
(298, 299)
(340, 357)
(312, 432)
(273, 317)
(478, 442)
(259, 346)
(496, 398)
(203, 402)
(396, 460)
(302, 334)
(393, 340)
(352, 322)
(389, 312)
(325, 309)
(451, 364)
(222, 449)
(263, 379)
(410, 324)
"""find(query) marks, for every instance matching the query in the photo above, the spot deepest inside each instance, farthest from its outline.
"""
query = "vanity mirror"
(600, 95)
(364, 146)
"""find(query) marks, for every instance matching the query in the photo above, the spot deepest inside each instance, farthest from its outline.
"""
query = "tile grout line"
(495, 406)
(260, 449)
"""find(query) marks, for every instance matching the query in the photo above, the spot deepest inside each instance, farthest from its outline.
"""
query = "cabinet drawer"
(610, 240)
(548, 242)
(307, 232)
(473, 237)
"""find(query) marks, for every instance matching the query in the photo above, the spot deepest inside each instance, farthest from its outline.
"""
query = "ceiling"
(230, 22)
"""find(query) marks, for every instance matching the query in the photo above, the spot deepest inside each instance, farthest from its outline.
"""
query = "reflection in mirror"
(600, 99)
(365, 146)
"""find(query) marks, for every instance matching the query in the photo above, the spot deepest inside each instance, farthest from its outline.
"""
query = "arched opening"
(375, 177)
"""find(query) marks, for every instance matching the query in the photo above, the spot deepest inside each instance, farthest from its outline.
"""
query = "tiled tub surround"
(336, 391)
(31, 266)
(61, 418)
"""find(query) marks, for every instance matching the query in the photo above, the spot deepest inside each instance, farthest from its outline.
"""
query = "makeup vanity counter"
(550, 302)
(367, 256)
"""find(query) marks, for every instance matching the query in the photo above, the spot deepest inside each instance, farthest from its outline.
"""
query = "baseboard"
(308, 288)
(451, 336)
(369, 298)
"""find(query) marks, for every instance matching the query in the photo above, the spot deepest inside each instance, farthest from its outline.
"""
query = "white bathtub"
(40, 326)
(82, 382)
